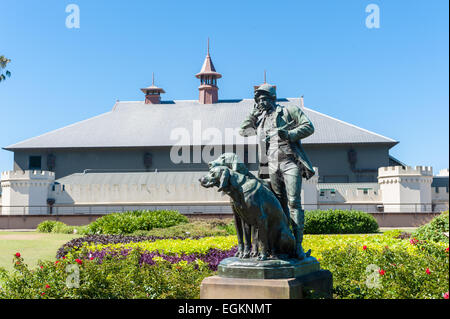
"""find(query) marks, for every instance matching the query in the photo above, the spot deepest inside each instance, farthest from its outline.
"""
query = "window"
(34, 162)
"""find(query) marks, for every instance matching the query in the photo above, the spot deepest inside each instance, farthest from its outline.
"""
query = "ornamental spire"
(208, 89)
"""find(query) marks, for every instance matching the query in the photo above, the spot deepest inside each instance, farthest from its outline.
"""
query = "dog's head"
(217, 176)
(230, 160)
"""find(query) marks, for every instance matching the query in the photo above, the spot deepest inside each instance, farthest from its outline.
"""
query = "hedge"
(339, 221)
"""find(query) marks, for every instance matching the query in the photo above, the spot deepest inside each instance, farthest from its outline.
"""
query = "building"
(150, 154)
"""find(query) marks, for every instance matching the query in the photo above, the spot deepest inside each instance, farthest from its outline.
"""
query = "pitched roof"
(136, 124)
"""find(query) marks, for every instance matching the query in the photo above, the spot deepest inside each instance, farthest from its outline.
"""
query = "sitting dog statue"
(246, 234)
(258, 207)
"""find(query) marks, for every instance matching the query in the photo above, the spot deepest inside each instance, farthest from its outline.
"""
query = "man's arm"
(248, 126)
(304, 126)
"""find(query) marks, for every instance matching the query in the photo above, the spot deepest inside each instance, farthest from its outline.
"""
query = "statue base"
(268, 279)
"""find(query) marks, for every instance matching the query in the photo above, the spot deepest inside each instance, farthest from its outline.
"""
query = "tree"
(3, 62)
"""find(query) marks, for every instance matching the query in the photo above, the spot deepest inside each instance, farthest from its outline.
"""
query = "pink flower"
(92, 258)
(445, 295)
(382, 272)
(428, 271)
(47, 286)
(414, 241)
(18, 255)
(364, 247)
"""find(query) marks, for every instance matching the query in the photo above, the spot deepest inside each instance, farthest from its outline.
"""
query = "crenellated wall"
(406, 189)
(22, 189)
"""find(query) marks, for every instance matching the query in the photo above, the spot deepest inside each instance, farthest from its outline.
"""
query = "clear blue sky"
(392, 80)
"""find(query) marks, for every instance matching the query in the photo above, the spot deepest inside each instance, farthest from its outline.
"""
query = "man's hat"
(266, 89)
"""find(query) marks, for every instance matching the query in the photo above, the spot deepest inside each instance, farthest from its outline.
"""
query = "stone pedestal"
(268, 279)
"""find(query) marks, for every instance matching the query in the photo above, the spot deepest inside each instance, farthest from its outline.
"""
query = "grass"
(31, 245)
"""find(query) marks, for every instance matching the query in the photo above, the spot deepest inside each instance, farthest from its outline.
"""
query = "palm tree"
(3, 62)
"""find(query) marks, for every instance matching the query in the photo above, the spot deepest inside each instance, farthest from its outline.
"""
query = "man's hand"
(283, 134)
(255, 113)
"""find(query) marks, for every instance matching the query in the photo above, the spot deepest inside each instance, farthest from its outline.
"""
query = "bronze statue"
(257, 206)
(281, 156)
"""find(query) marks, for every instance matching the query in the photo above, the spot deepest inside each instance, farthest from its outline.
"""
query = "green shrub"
(368, 273)
(129, 222)
(57, 227)
(113, 278)
(192, 229)
(435, 229)
(339, 222)
(46, 226)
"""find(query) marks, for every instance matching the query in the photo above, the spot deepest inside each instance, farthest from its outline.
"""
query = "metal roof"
(136, 124)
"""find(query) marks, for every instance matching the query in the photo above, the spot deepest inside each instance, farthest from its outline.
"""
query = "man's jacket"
(298, 125)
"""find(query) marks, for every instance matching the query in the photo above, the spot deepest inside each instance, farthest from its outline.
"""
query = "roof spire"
(208, 81)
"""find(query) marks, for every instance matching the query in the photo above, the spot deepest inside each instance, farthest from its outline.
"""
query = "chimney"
(255, 87)
(208, 90)
(153, 93)
(302, 104)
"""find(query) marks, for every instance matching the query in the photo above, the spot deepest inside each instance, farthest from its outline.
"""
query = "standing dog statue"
(258, 207)
(246, 234)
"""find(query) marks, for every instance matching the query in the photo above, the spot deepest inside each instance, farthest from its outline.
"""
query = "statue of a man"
(281, 156)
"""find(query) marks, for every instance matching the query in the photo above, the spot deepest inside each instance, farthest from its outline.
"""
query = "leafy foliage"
(336, 221)
(129, 222)
(113, 278)
(362, 272)
(435, 229)
(3, 62)
(53, 226)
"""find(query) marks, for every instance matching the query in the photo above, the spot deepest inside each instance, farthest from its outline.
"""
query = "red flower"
(56, 262)
(79, 261)
(414, 241)
(364, 247)
(42, 293)
(42, 267)
(446, 295)
(382, 272)
(47, 286)
(18, 255)
(446, 249)
(92, 258)
(64, 257)
(428, 271)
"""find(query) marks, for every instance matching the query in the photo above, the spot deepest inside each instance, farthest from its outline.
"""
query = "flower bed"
(363, 266)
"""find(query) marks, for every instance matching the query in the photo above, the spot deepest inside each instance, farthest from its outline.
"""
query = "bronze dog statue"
(246, 234)
(257, 206)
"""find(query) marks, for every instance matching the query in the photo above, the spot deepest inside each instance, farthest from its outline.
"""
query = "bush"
(368, 273)
(435, 229)
(47, 226)
(192, 229)
(129, 222)
(57, 227)
(339, 222)
(113, 278)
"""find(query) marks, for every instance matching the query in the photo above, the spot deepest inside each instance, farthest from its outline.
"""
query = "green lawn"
(31, 245)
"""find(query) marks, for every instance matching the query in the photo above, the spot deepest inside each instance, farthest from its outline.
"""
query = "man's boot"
(298, 219)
